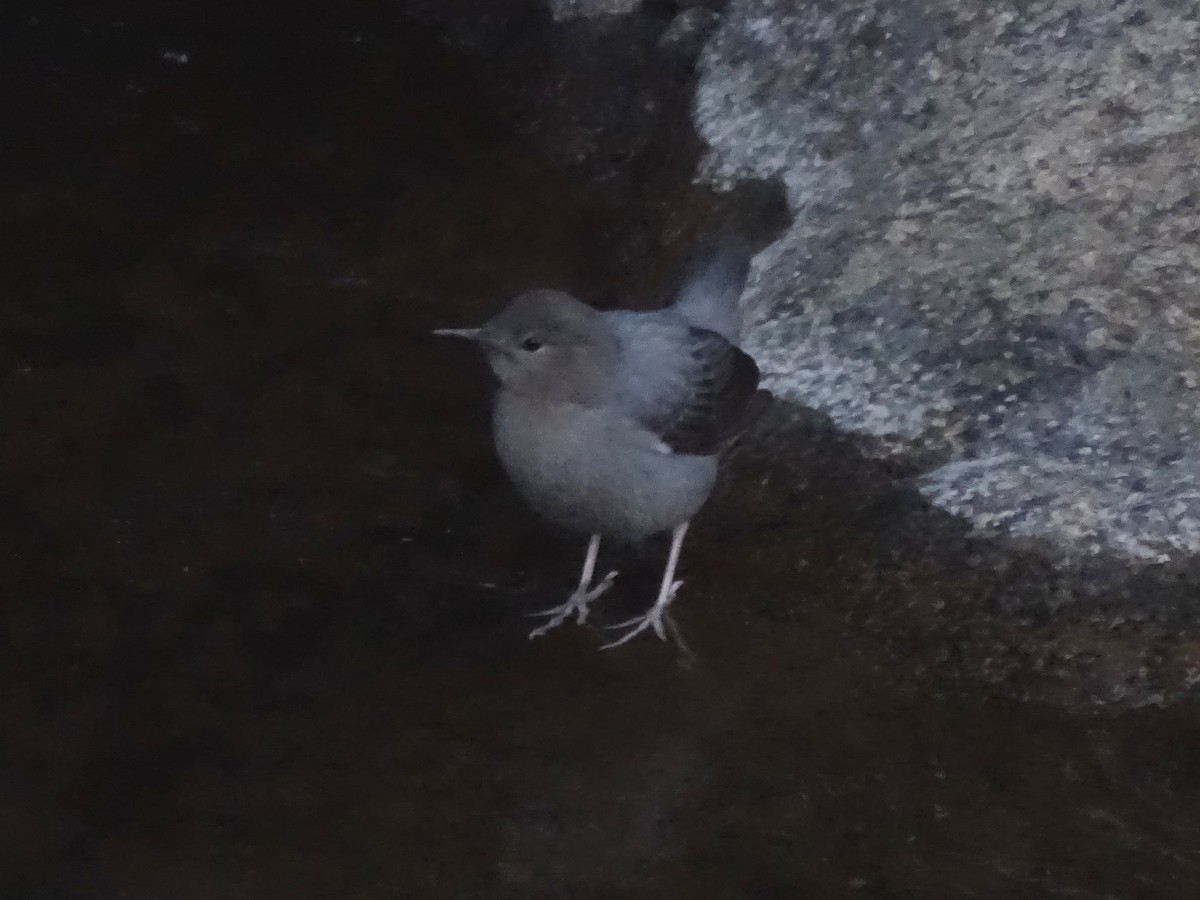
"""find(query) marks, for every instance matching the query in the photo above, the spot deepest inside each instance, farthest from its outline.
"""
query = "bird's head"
(548, 344)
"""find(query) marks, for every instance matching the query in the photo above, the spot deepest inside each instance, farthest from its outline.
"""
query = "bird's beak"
(471, 334)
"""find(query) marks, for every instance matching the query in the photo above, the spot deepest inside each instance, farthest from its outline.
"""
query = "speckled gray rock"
(996, 251)
(563, 10)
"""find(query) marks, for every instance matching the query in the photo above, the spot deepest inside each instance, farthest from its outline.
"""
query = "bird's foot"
(577, 603)
(656, 619)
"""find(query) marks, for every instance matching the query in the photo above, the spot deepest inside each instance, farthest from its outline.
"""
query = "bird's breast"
(594, 471)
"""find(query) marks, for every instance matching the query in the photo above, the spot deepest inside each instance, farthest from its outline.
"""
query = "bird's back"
(680, 371)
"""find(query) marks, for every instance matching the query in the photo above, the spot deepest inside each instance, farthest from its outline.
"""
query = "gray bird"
(611, 423)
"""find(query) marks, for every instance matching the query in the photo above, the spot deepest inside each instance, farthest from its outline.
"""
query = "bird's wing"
(689, 386)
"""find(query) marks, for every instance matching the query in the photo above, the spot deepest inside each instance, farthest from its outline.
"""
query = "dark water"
(262, 629)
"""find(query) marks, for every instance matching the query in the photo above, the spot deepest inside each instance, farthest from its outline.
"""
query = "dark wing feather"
(689, 386)
(723, 381)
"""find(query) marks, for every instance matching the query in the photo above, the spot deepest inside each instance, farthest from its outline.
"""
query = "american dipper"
(611, 423)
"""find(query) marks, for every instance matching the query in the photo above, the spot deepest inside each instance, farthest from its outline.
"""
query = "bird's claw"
(577, 603)
(655, 619)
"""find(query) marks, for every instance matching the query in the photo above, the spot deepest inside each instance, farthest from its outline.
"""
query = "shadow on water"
(263, 632)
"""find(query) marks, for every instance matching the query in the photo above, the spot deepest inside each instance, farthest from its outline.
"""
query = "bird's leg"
(578, 602)
(657, 615)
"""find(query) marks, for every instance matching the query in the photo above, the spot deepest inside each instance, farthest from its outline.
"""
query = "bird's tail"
(713, 286)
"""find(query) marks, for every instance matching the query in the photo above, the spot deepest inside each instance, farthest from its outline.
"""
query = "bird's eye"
(531, 344)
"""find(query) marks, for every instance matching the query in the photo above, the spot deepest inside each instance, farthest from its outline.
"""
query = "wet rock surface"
(263, 632)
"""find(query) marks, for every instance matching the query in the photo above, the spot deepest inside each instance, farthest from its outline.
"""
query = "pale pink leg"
(578, 602)
(666, 593)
